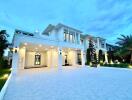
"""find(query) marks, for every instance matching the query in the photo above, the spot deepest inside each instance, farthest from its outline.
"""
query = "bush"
(3, 63)
(121, 65)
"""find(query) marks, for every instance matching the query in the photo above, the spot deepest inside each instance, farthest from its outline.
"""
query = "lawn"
(4, 73)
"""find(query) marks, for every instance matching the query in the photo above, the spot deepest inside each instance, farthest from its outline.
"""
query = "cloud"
(107, 19)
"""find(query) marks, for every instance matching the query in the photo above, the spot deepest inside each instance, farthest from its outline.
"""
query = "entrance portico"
(31, 55)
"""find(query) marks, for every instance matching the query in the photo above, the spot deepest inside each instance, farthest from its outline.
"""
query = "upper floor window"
(69, 36)
(66, 35)
(102, 45)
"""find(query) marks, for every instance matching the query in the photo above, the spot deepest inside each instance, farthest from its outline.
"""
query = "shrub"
(121, 65)
(3, 63)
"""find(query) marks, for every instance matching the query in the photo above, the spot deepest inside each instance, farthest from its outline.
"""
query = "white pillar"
(75, 58)
(75, 38)
(106, 57)
(15, 61)
(60, 58)
(82, 58)
(22, 57)
(105, 44)
(79, 38)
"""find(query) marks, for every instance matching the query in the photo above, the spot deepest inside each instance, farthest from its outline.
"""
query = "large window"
(66, 35)
(37, 59)
(71, 38)
(69, 35)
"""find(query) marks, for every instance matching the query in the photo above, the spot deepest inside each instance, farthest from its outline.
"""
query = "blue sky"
(104, 18)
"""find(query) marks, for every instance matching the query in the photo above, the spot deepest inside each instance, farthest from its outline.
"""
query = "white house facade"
(56, 46)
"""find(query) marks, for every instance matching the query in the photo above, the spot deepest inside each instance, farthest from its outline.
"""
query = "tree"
(3, 42)
(92, 52)
(88, 56)
(3, 45)
(125, 46)
(100, 56)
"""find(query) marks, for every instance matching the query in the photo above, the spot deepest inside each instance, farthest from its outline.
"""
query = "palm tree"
(125, 45)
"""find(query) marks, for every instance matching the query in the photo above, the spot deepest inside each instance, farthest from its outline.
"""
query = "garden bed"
(4, 73)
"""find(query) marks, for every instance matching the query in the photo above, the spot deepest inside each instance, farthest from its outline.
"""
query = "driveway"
(71, 84)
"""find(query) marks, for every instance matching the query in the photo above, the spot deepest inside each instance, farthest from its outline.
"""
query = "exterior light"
(23, 47)
(15, 49)
(5, 75)
(45, 48)
(118, 62)
(60, 52)
(130, 66)
(25, 43)
(10, 69)
(101, 61)
(90, 63)
(40, 45)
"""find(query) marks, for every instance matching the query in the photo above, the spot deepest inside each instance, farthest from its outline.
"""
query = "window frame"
(39, 59)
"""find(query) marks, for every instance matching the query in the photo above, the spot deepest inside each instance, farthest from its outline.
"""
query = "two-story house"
(56, 46)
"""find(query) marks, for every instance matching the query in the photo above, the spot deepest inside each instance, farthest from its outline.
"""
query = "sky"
(104, 18)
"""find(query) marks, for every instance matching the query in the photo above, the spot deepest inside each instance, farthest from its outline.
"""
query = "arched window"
(37, 59)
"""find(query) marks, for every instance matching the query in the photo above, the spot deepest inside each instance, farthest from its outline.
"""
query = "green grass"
(2, 78)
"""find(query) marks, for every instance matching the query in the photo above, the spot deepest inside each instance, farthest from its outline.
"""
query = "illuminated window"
(66, 35)
(37, 59)
(71, 38)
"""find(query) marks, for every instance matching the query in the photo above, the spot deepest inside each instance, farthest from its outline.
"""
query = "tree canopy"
(125, 46)
(3, 42)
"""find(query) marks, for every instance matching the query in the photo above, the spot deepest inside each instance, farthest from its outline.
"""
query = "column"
(106, 57)
(75, 38)
(23, 57)
(79, 38)
(15, 61)
(59, 58)
(82, 58)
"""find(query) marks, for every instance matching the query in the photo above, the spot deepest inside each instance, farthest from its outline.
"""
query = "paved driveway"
(71, 84)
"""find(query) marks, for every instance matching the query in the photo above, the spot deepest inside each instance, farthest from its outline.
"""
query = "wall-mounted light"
(15, 49)
(40, 45)
(60, 52)
(25, 43)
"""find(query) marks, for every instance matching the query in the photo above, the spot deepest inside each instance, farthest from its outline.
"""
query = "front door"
(66, 61)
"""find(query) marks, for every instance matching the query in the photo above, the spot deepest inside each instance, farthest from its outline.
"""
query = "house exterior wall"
(52, 57)
(30, 59)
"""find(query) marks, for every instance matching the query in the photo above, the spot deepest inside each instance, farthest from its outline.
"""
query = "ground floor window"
(37, 59)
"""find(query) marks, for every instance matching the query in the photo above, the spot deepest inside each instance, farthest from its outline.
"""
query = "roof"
(48, 29)
(62, 25)
(91, 36)
(58, 26)
(23, 32)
